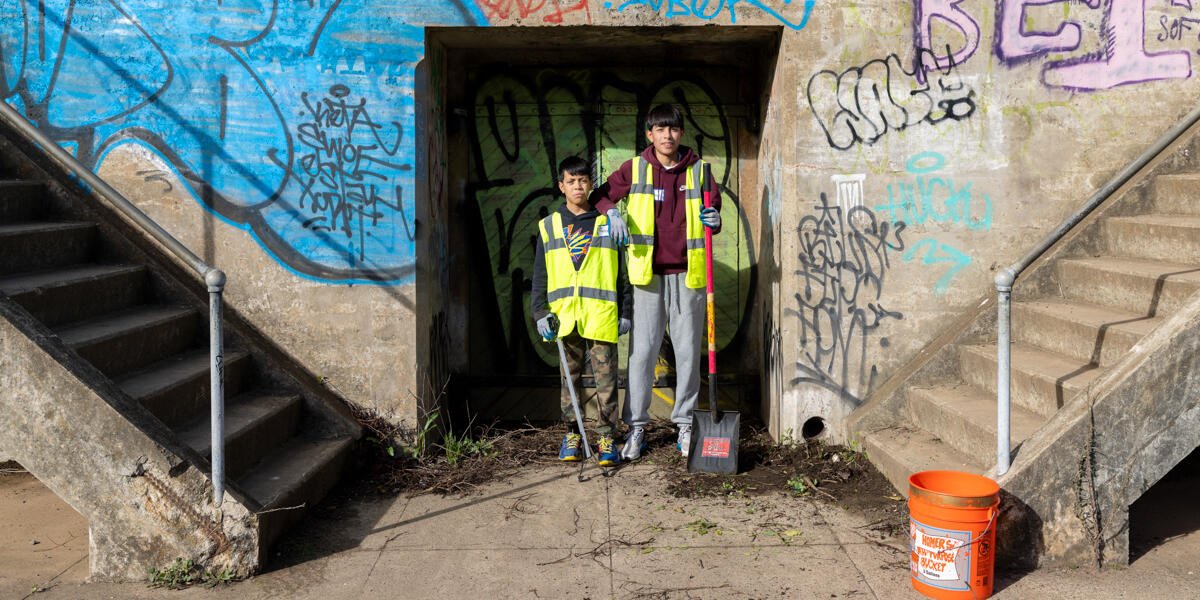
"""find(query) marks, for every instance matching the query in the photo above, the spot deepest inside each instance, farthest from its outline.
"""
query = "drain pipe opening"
(813, 427)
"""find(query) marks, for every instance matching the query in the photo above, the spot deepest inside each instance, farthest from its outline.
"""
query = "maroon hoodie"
(670, 214)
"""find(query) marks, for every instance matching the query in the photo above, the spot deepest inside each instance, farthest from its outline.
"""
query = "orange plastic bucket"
(952, 534)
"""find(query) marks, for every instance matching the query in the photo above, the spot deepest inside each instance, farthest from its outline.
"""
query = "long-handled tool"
(714, 444)
(587, 448)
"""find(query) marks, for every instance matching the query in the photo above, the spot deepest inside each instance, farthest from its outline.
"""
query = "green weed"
(184, 573)
(458, 448)
(702, 526)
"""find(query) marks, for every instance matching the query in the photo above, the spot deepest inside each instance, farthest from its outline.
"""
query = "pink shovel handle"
(708, 267)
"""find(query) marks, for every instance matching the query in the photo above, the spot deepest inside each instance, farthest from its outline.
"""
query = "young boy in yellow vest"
(663, 192)
(580, 294)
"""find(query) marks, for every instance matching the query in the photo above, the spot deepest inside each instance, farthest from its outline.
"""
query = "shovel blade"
(714, 445)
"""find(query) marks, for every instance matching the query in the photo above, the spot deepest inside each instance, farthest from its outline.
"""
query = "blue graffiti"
(293, 121)
(916, 204)
(708, 9)
(948, 254)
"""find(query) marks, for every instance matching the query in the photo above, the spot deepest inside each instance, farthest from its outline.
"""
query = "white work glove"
(623, 326)
(547, 327)
(711, 218)
(617, 229)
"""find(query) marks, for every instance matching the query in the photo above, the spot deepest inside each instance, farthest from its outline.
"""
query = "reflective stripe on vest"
(584, 300)
(639, 206)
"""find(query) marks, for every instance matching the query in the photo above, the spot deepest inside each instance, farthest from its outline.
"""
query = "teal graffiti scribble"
(698, 8)
(916, 202)
(950, 255)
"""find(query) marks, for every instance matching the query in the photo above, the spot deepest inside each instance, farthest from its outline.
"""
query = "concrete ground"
(541, 534)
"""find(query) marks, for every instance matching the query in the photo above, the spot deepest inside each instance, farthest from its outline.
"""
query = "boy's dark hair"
(573, 165)
(664, 115)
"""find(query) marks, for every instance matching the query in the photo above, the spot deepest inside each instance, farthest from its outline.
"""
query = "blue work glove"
(711, 218)
(547, 327)
(623, 326)
(617, 230)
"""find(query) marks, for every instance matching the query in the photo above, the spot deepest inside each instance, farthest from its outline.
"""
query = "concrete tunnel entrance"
(515, 103)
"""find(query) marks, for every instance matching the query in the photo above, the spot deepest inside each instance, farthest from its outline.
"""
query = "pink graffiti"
(1013, 44)
(1123, 61)
(553, 10)
(949, 12)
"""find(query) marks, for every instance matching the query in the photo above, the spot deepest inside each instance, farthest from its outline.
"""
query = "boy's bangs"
(664, 115)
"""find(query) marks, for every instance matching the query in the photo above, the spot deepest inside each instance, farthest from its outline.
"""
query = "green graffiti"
(525, 122)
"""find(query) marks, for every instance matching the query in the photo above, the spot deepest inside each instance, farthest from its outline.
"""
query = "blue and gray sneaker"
(608, 451)
(635, 444)
(571, 444)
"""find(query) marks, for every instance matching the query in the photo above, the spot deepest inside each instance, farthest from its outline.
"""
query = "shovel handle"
(712, 324)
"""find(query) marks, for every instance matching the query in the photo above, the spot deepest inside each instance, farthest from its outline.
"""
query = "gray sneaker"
(635, 444)
(685, 439)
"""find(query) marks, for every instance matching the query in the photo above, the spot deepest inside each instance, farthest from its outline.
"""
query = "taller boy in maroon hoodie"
(664, 230)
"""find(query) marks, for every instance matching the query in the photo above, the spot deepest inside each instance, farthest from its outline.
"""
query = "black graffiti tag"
(862, 104)
(343, 153)
(843, 261)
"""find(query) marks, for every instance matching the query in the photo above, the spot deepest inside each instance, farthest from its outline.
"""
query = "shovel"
(587, 448)
(714, 444)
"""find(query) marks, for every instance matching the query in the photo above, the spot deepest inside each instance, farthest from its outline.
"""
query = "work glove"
(623, 326)
(711, 218)
(617, 229)
(547, 327)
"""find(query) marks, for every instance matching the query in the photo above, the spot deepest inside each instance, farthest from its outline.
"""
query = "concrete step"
(255, 423)
(965, 417)
(1142, 287)
(120, 342)
(1087, 332)
(76, 292)
(295, 477)
(902, 450)
(21, 201)
(1171, 238)
(1040, 381)
(1177, 193)
(176, 390)
(35, 246)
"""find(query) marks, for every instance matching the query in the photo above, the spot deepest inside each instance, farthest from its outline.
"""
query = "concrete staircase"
(1077, 314)
(124, 314)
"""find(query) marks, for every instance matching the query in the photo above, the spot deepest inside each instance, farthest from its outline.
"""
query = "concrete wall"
(145, 504)
(907, 150)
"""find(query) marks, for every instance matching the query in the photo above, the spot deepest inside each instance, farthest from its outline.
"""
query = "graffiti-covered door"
(522, 124)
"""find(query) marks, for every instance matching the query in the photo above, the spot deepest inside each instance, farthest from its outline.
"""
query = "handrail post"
(216, 285)
(1004, 283)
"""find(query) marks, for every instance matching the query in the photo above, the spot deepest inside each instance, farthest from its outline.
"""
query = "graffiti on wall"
(844, 259)
(550, 11)
(708, 10)
(937, 198)
(293, 121)
(523, 123)
(1180, 28)
(1121, 60)
(862, 104)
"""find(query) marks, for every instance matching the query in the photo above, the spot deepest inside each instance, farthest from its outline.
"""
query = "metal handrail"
(214, 279)
(1006, 278)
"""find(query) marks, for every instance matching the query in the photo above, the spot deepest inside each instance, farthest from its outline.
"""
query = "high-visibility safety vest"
(639, 204)
(584, 299)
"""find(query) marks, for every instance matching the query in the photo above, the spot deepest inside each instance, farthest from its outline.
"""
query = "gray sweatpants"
(665, 303)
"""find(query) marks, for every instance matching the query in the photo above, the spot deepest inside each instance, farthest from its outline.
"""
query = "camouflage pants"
(603, 356)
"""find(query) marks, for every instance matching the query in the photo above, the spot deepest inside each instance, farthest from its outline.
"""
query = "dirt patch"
(835, 474)
(459, 463)
(831, 473)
